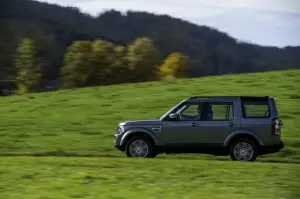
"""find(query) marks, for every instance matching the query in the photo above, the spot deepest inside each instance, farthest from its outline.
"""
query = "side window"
(217, 112)
(255, 108)
(222, 111)
(191, 111)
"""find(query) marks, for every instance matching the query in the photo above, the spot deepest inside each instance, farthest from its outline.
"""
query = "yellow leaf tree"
(174, 66)
(27, 69)
(143, 61)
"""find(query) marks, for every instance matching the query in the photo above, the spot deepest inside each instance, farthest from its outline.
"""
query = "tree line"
(209, 51)
(98, 62)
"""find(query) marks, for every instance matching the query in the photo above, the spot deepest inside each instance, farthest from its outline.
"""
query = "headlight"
(120, 129)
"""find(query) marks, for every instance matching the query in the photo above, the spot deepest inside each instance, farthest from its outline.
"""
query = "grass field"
(52, 177)
(81, 123)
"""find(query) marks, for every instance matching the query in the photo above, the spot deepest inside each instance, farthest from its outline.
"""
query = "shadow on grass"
(58, 153)
(287, 155)
(173, 157)
(216, 158)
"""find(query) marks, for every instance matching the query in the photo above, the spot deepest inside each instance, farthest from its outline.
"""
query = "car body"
(240, 126)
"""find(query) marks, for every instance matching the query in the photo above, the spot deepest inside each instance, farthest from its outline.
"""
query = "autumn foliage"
(175, 66)
(99, 62)
(27, 68)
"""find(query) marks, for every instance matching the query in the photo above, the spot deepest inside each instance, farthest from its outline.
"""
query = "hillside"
(82, 122)
(79, 125)
(211, 52)
(59, 144)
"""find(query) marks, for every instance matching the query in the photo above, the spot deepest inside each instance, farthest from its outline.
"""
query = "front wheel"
(243, 149)
(140, 146)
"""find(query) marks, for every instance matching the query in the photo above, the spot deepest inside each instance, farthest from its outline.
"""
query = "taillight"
(275, 127)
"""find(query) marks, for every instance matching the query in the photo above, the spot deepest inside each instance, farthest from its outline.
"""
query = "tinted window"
(221, 112)
(207, 112)
(191, 110)
(255, 108)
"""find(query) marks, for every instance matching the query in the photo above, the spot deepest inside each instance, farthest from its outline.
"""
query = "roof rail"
(218, 97)
(197, 97)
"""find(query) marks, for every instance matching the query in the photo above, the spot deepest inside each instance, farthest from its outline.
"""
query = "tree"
(210, 52)
(142, 58)
(93, 64)
(78, 64)
(109, 65)
(27, 68)
(174, 66)
(120, 67)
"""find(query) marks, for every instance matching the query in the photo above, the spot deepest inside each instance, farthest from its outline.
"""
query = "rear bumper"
(272, 148)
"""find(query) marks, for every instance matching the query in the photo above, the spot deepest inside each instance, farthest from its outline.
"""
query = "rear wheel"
(140, 146)
(243, 149)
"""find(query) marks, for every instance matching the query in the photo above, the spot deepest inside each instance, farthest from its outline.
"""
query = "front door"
(185, 133)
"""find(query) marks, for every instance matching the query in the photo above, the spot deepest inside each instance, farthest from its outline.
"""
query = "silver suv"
(241, 127)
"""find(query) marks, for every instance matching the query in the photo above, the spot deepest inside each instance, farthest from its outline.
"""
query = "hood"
(140, 122)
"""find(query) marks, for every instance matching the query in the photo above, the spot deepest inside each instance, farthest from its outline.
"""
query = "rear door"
(222, 119)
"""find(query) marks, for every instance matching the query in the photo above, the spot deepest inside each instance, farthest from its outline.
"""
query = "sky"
(264, 22)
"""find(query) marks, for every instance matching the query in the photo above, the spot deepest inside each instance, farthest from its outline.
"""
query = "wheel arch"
(139, 132)
(243, 134)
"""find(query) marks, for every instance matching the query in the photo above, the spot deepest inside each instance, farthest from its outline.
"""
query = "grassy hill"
(82, 123)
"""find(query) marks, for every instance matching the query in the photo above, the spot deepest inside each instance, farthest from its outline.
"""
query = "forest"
(40, 41)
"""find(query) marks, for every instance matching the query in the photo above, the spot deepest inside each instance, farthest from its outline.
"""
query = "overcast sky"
(265, 22)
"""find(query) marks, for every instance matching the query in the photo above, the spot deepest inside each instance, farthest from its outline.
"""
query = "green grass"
(80, 123)
(120, 178)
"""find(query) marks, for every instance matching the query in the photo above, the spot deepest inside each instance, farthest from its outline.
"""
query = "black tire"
(249, 142)
(154, 155)
(151, 151)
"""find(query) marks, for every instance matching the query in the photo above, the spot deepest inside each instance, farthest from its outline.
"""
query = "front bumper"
(116, 142)
(272, 148)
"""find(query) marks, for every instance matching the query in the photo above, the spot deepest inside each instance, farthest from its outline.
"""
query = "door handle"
(231, 124)
(193, 124)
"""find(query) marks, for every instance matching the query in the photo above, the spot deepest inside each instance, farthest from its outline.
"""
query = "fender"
(243, 132)
(139, 130)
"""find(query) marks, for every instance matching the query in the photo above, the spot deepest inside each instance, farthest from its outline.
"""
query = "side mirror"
(173, 115)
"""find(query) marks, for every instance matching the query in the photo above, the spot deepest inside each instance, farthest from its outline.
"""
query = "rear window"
(255, 108)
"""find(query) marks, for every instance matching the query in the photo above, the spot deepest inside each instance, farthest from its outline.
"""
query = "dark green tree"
(78, 64)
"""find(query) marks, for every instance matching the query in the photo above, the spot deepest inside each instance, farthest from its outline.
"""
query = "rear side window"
(217, 111)
(255, 108)
(222, 111)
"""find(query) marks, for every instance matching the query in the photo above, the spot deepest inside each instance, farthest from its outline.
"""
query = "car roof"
(195, 98)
